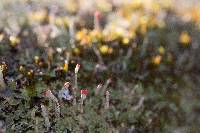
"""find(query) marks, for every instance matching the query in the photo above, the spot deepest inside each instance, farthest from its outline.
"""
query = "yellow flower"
(95, 35)
(66, 21)
(110, 50)
(86, 40)
(153, 22)
(83, 37)
(132, 33)
(161, 24)
(156, 59)
(185, 38)
(125, 40)
(161, 50)
(36, 59)
(76, 51)
(38, 16)
(103, 5)
(155, 7)
(109, 35)
(1, 37)
(71, 6)
(143, 20)
(104, 49)
(59, 21)
(14, 40)
(81, 34)
(21, 69)
(119, 31)
(166, 3)
(136, 4)
(113, 32)
(143, 29)
(30, 73)
(65, 67)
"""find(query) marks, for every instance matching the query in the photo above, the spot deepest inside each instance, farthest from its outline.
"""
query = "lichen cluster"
(98, 66)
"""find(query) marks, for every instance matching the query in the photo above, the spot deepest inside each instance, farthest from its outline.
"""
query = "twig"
(97, 16)
(81, 105)
(50, 53)
(144, 46)
(107, 100)
(140, 103)
(83, 97)
(72, 33)
(2, 83)
(96, 51)
(98, 89)
(75, 82)
(106, 85)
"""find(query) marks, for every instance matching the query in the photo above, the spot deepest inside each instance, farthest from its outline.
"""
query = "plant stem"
(81, 105)
(2, 83)
(96, 51)
(106, 85)
(107, 100)
(75, 88)
(96, 24)
(140, 103)
(72, 33)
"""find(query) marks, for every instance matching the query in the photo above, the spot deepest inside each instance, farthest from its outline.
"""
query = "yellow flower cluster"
(161, 50)
(190, 13)
(1, 37)
(157, 59)
(14, 40)
(105, 49)
(129, 20)
(86, 37)
(83, 37)
(38, 16)
(185, 38)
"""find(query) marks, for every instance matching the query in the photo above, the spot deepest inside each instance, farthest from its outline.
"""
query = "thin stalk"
(98, 88)
(72, 33)
(2, 83)
(96, 51)
(97, 21)
(81, 105)
(107, 100)
(75, 87)
(140, 104)
(106, 85)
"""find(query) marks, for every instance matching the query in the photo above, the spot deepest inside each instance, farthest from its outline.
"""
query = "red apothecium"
(85, 92)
